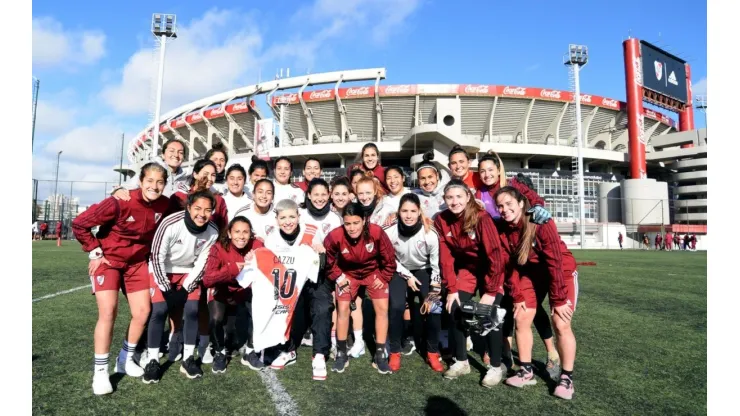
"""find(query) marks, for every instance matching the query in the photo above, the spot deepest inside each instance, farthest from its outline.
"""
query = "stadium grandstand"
(330, 116)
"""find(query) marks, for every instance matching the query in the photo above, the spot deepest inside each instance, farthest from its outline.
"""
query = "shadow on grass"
(442, 406)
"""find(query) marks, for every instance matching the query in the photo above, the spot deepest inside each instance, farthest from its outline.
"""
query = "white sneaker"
(470, 344)
(494, 375)
(285, 358)
(319, 367)
(129, 367)
(207, 357)
(458, 369)
(144, 357)
(101, 384)
(357, 350)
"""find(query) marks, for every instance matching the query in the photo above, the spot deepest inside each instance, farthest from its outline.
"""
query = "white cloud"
(699, 88)
(53, 45)
(89, 181)
(97, 143)
(53, 118)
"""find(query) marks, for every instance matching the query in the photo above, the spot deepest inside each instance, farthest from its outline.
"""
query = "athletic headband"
(455, 184)
(427, 166)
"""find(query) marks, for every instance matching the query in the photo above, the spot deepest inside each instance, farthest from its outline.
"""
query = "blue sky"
(95, 73)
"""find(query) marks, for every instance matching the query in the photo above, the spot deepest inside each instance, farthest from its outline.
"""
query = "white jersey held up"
(419, 251)
(277, 279)
(176, 250)
(263, 225)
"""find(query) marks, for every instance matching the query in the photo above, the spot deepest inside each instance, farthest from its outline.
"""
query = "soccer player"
(341, 193)
(395, 179)
(658, 241)
(217, 154)
(204, 175)
(370, 164)
(669, 241)
(179, 255)
(260, 212)
(470, 259)
(225, 295)
(417, 259)
(539, 255)
(316, 209)
(58, 232)
(283, 188)
(258, 169)
(173, 154)
(620, 238)
(360, 254)
(370, 196)
(118, 255)
(311, 170)
(459, 164)
(44, 227)
(432, 182)
(235, 195)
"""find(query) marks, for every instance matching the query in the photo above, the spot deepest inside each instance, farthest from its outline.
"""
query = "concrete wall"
(610, 205)
(642, 202)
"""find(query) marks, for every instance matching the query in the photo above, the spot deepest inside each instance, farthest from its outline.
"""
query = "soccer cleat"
(435, 361)
(493, 376)
(395, 361)
(380, 362)
(458, 369)
(208, 356)
(191, 368)
(522, 378)
(358, 349)
(341, 362)
(219, 363)
(565, 388)
(151, 372)
(253, 361)
(553, 368)
(319, 367)
(409, 346)
(101, 383)
(282, 360)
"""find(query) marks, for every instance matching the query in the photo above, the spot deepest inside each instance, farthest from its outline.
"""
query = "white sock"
(129, 350)
(153, 354)
(187, 352)
(358, 335)
(334, 338)
(101, 364)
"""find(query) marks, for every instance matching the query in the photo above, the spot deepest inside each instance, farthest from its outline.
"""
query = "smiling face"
(239, 234)
(152, 185)
(263, 195)
(456, 199)
(207, 172)
(319, 196)
(488, 172)
(428, 179)
(235, 182)
(511, 210)
(409, 213)
(394, 181)
(174, 155)
(311, 170)
(353, 225)
(282, 172)
(219, 159)
(287, 220)
(365, 193)
(339, 196)
(370, 158)
(459, 164)
(257, 174)
(200, 212)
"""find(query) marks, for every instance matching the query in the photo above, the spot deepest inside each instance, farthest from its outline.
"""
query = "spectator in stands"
(220, 158)
(173, 154)
(311, 170)
(620, 238)
(370, 162)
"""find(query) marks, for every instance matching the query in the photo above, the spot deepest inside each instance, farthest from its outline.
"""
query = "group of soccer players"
(196, 248)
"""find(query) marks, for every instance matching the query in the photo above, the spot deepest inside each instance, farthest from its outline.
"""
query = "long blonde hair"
(472, 209)
(527, 229)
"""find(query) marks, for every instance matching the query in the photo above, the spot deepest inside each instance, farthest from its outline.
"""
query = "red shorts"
(571, 289)
(367, 282)
(532, 291)
(227, 296)
(176, 280)
(133, 278)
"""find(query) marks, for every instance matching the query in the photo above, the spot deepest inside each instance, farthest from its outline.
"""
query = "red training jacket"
(303, 185)
(472, 179)
(529, 193)
(221, 269)
(378, 172)
(179, 200)
(548, 258)
(479, 253)
(363, 257)
(126, 227)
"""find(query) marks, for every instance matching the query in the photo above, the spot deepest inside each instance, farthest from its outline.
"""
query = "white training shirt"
(381, 213)
(288, 191)
(393, 201)
(324, 224)
(263, 225)
(176, 250)
(234, 203)
(309, 235)
(417, 252)
(433, 202)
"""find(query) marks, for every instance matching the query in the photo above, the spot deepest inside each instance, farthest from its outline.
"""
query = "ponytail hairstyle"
(237, 167)
(472, 209)
(355, 209)
(155, 167)
(312, 184)
(379, 192)
(199, 165)
(492, 156)
(258, 163)
(414, 199)
(224, 239)
(217, 148)
(527, 228)
(458, 149)
(427, 163)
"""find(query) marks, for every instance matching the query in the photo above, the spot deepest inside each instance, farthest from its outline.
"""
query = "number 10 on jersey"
(284, 288)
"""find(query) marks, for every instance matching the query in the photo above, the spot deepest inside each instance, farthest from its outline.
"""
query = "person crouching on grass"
(118, 255)
(540, 256)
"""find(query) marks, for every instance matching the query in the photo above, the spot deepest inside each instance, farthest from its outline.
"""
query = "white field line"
(284, 404)
(74, 289)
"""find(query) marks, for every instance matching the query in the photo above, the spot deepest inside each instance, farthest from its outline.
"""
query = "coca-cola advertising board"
(477, 90)
(356, 92)
(318, 95)
(397, 90)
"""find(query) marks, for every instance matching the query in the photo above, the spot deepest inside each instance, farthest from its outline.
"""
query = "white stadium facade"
(330, 116)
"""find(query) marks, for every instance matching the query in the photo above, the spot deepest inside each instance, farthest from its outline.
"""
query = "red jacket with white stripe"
(221, 268)
(361, 258)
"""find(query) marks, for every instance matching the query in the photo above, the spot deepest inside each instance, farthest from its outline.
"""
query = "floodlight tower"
(576, 58)
(164, 29)
(701, 104)
(36, 83)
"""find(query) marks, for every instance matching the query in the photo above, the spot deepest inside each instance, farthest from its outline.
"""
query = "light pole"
(163, 29)
(36, 83)
(56, 186)
(577, 57)
(701, 104)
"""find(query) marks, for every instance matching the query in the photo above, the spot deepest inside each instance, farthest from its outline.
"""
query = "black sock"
(526, 367)
(342, 346)
(568, 374)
